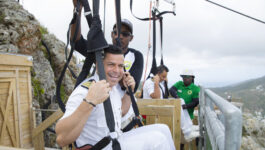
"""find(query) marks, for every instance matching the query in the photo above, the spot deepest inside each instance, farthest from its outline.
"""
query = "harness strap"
(166, 90)
(68, 39)
(163, 93)
(161, 39)
(90, 57)
(154, 65)
(87, 12)
(166, 93)
(153, 68)
(102, 143)
(118, 26)
(154, 17)
(136, 122)
(107, 104)
(118, 42)
(147, 18)
(76, 18)
(85, 147)
(118, 22)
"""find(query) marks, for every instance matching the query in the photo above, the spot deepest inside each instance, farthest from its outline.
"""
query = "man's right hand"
(156, 78)
(98, 92)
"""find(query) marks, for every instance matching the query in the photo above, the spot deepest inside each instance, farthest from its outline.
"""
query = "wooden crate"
(166, 111)
(16, 119)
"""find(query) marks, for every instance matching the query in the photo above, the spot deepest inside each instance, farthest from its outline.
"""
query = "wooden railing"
(37, 133)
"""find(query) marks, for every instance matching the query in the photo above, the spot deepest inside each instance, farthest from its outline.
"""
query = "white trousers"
(149, 137)
(185, 121)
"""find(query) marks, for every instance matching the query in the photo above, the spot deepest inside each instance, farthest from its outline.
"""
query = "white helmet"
(187, 72)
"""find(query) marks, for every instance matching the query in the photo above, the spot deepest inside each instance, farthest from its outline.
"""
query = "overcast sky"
(221, 47)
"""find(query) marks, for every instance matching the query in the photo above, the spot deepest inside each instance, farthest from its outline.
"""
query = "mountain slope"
(250, 92)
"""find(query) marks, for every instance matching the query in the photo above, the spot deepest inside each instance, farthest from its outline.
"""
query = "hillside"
(250, 92)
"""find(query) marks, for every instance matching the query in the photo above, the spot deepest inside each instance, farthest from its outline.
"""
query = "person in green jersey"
(186, 90)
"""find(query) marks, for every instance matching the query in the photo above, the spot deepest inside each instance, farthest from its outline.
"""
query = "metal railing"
(220, 122)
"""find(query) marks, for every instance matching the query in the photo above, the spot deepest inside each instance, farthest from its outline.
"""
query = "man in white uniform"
(154, 89)
(84, 120)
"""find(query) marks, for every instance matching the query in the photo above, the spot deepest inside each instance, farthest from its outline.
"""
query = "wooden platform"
(16, 119)
(166, 111)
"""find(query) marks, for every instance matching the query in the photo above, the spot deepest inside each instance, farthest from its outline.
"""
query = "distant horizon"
(225, 84)
(216, 84)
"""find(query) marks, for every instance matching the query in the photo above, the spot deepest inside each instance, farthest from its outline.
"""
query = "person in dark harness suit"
(84, 119)
(133, 59)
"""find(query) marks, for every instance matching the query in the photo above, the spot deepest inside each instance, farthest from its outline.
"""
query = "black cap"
(127, 23)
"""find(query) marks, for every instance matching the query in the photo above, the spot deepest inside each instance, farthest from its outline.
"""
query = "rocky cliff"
(20, 32)
(253, 134)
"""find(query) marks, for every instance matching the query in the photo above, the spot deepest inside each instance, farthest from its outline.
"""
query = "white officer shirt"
(96, 127)
(149, 88)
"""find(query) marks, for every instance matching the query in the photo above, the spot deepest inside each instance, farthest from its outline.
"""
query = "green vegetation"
(43, 30)
(62, 93)
(37, 89)
(2, 17)
(244, 131)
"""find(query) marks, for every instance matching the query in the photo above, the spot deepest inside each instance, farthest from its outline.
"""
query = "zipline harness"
(95, 44)
(156, 15)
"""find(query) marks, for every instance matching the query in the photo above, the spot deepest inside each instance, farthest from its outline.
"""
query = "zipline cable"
(236, 12)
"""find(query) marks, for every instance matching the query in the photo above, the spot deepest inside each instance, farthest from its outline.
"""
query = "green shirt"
(187, 93)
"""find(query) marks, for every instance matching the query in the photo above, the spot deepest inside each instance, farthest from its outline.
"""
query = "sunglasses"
(124, 34)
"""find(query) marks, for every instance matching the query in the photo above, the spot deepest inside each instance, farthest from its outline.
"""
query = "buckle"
(76, 11)
(114, 135)
(87, 13)
(138, 121)
(127, 121)
(138, 118)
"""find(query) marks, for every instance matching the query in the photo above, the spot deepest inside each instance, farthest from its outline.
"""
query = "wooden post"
(38, 142)
(37, 133)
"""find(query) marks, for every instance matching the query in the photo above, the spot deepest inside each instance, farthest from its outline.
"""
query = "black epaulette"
(87, 84)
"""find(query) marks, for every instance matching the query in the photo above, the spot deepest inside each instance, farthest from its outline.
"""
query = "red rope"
(149, 42)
